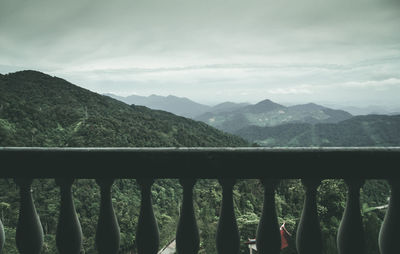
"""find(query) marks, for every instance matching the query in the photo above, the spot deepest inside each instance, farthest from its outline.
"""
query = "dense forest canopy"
(369, 130)
(40, 110)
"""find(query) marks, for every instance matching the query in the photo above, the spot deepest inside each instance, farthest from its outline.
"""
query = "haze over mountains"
(270, 124)
(177, 105)
(263, 113)
(267, 123)
(230, 117)
(180, 106)
(268, 113)
(370, 110)
(188, 108)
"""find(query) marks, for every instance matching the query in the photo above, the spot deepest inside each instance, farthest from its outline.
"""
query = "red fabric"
(284, 242)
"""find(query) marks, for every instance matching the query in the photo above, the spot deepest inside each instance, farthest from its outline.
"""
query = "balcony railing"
(225, 164)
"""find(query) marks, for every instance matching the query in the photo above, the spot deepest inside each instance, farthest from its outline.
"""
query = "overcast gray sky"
(340, 51)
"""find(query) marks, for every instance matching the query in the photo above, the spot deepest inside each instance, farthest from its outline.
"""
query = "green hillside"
(39, 110)
(370, 130)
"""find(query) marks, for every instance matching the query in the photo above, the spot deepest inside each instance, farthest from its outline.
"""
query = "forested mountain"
(370, 130)
(177, 105)
(40, 110)
(269, 113)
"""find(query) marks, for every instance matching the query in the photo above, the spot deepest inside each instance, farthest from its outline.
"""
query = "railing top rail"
(209, 162)
(202, 149)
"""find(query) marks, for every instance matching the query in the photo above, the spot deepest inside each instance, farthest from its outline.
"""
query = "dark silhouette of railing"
(188, 164)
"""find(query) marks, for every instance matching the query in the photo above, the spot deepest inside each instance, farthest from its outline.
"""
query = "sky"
(295, 51)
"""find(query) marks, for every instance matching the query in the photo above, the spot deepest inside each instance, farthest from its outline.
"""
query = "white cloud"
(230, 50)
(379, 84)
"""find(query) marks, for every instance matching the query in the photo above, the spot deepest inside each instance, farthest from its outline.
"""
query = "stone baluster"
(29, 234)
(107, 234)
(350, 239)
(187, 234)
(268, 235)
(147, 235)
(228, 241)
(69, 232)
(2, 236)
(308, 238)
(389, 237)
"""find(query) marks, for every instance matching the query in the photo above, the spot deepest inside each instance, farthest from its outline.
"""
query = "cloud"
(194, 48)
(379, 84)
(305, 89)
(192, 32)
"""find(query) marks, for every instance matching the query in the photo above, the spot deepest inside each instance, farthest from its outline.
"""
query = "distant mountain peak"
(264, 106)
(268, 102)
(265, 101)
(312, 104)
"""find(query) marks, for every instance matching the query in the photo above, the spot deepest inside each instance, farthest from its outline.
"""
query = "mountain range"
(230, 116)
(269, 113)
(268, 123)
(180, 106)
